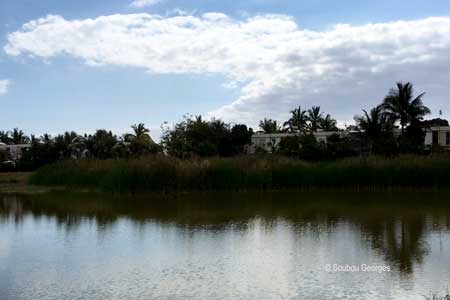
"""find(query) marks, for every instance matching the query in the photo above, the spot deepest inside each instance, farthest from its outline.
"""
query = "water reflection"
(244, 229)
(391, 223)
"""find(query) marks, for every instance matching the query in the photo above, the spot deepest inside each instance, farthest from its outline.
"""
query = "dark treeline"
(393, 127)
(373, 134)
(102, 144)
(191, 137)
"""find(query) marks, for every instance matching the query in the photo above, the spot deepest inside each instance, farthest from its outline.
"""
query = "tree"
(19, 137)
(269, 126)
(339, 147)
(46, 138)
(303, 147)
(196, 137)
(175, 140)
(298, 120)
(100, 145)
(290, 146)
(314, 118)
(413, 139)
(400, 105)
(240, 136)
(378, 128)
(78, 147)
(140, 132)
(434, 122)
(328, 124)
(4, 137)
(62, 143)
(140, 141)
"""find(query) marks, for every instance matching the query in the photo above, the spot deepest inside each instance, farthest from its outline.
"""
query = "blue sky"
(54, 91)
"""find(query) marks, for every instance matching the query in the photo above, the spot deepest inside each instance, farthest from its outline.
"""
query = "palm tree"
(374, 122)
(269, 126)
(4, 137)
(46, 138)
(140, 132)
(400, 105)
(19, 137)
(377, 126)
(328, 124)
(314, 118)
(298, 120)
(140, 141)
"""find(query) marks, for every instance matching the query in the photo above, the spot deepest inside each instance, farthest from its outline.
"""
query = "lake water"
(281, 245)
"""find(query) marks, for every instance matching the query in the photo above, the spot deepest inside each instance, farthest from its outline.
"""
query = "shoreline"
(18, 183)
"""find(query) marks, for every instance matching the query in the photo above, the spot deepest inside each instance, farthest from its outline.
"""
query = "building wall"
(442, 133)
(267, 142)
(270, 141)
(15, 151)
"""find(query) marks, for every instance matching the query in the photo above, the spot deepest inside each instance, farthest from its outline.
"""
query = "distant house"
(437, 136)
(14, 151)
(269, 142)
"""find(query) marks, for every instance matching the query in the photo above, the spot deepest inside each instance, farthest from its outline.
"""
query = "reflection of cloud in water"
(274, 239)
(4, 247)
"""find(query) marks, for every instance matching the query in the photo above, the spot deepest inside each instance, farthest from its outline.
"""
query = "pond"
(278, 245)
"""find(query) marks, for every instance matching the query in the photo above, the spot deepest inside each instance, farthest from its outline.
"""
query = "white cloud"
(143, 3)
(276, 64)
(4, 85)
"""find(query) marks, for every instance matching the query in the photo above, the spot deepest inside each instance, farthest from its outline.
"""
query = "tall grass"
(159, 173)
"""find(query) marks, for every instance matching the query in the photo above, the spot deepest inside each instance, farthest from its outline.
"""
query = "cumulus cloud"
(275, 64)
(4, 85)
(143, 3)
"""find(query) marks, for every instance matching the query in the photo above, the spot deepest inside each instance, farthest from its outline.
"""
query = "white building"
(14, 151)
(437, 136)
(269, 142)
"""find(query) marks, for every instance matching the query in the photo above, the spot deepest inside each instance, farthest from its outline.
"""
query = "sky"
(84, 65)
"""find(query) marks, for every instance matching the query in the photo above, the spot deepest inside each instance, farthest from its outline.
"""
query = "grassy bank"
(159, 173)
(15, 182)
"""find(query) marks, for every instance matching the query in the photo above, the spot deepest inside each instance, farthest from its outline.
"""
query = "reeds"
(159, 173)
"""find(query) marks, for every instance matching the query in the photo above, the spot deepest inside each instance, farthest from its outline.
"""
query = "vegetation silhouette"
(376, 133)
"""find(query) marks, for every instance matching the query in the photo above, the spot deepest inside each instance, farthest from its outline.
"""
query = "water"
(225, 246)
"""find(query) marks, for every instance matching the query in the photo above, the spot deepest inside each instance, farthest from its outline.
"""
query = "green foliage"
(302, 146)
(339, 147)
(400, 105)
(314, 118)
(16, 136)
(298, 121)
(194, 137)
(269, 126)
(162, 173)
(378, 128)
(290, 146)
(328, 124)
(4, 156)
(102, 144)
(140, 143)
(311, 120)
(413, 139)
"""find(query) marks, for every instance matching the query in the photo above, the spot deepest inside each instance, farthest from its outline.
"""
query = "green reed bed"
(159, 173)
